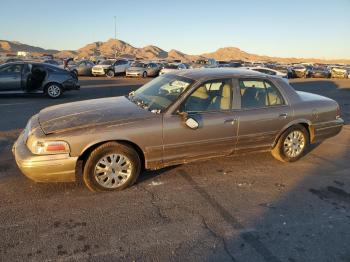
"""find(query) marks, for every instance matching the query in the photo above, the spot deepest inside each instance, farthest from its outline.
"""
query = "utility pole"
(115, 37)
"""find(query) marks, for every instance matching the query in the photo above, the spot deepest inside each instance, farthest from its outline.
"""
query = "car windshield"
(106, 62)
(138, 64)
(160, 93)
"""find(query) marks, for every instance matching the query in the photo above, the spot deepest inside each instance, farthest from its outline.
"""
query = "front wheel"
(110, 167)
(292, 144)
(54, 90)
(110, 73)
(144, 75)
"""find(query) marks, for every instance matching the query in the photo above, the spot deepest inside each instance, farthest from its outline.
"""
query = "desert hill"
(124, 49)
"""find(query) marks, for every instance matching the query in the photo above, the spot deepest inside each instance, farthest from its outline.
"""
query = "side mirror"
(191, 123)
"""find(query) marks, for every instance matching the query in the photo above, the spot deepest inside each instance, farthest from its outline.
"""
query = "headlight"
(49, 147)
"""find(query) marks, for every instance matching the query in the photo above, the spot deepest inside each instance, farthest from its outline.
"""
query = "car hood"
(133, 68)
(90, 113)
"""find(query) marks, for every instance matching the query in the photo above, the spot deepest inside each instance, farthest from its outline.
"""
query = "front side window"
(210, 96)
(259, 93)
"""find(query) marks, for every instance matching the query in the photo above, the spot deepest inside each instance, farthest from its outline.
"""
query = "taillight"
(337, 112)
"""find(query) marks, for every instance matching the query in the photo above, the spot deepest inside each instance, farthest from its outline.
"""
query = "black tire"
(104, 150)
(53, 90)
(75, 72)
(110, 73)
(144, 74)
(278, 151)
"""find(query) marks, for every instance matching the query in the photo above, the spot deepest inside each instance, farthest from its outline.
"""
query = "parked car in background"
(234, 64)
(286, 69)
(101, 68)
(82, 68)
(269, 71)
(10, 60)
(174, 119)
(110, 68)
(299, 72)
(143, 69)
(320, 72)
(30, 77)
(172, 67)
(205, 63)
(222, 63)
(339, 72)
(53, 62)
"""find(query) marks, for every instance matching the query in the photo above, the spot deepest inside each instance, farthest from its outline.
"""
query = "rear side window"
(259, 93)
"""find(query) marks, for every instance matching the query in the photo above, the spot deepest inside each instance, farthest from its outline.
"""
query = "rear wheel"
(144, 75)
(110, 167)
(110, 73)
(292, 144)
(54, 90)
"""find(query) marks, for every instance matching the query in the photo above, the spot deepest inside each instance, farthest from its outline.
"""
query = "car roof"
(212, 73)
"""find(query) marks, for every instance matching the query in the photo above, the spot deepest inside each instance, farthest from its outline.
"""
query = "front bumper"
(43, 168)
(135, 73)
(98, 73)
(322, 131)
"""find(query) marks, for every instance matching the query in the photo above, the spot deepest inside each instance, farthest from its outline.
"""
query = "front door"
(264, 112)
(10, 77)
(120, 66)
(210, 106)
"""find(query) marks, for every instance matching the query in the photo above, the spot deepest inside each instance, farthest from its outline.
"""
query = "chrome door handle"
(230, 121)
(283, 115)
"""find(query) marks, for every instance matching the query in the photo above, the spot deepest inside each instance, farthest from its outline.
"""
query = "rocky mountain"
(234, 53)
(124, 49)
(14, 47)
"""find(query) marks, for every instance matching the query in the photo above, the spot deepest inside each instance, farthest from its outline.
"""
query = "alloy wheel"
(54, 91)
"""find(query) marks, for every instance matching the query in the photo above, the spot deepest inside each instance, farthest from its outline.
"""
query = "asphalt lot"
(242, 208)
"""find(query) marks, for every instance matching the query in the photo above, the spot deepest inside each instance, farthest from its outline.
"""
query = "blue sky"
(313, 28)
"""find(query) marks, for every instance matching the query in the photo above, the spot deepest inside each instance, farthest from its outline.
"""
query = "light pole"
(115, 37)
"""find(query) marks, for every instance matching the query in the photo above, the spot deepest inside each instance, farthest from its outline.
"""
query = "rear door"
(264, 112)
(11, 77)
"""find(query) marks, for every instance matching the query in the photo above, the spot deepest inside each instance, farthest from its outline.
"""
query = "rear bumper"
(47, 168)
(322, 131)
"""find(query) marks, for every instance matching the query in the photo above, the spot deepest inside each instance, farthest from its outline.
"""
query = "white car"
(269, 71)
(111, 67)
(171, 68)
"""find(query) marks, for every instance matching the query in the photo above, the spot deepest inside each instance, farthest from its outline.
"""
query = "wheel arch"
(87, 151)
(304, 122)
